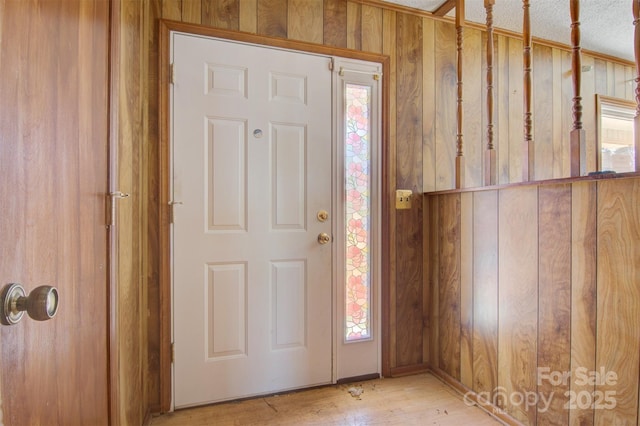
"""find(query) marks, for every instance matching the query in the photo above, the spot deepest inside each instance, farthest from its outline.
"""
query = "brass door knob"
(324, 238)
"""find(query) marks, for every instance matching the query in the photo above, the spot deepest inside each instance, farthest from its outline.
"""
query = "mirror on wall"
(615, 141)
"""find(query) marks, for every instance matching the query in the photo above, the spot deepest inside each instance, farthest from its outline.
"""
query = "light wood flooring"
(412, 400)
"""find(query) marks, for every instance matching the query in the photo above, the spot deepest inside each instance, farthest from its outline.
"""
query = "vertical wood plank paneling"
(249, 16)
(466, 289)
(192, 11)
(501, 105)
(272, 18)
(620, 86)
(354, 25)
(371, 29)
(434, 281)
(611, 79)
(389, 48)
(428, 106)
(305, 20)
(618, 295)
(542, 113)
(409, 175)
(449, 285)
(427, 250)
(600, 76)
(516, 110)
(172, 9)
(589, 111)
(473, 75)
(558, 143)
(566, 102)
(129, 97)
(221, 14)
(583, 294)
(554, 300)
(151, 263)
(518, 298)
(485, 292)
(335, 23)
(445, 122)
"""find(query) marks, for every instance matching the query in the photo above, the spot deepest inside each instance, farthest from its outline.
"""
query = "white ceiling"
(606, 26)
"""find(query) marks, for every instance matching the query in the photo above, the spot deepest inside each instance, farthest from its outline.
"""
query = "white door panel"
(251, 156)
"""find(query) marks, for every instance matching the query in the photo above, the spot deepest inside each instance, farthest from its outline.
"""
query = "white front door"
(251, 170)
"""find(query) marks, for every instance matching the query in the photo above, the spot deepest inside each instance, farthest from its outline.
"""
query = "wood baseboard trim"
(471, 396)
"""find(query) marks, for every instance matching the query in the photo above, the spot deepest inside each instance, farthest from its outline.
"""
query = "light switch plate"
(403, 199)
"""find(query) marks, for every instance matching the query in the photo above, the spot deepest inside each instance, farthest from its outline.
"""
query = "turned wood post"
(578, 144)
(460, 166)
(490, 177)
(528, 153)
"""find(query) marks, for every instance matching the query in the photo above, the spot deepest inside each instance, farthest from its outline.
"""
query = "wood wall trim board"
(594, 178)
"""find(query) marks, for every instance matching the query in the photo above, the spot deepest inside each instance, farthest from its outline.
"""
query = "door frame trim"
(164, 87)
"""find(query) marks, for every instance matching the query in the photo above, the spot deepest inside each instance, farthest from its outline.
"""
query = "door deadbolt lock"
(41, 304)
(322, 215)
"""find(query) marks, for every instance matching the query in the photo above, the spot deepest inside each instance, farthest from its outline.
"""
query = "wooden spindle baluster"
(490, 177)
(636, 49)
(459, 140)
(527, 151)
(578, 146)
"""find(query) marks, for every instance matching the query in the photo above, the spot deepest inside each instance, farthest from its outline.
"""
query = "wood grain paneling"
(518, 298)
(485, 292)
(618, 295)
(473, 76)
(421, 93)
(371, 29)
(335, 23)
(554, 300)
(305, 20)
(272, 18)
(221, 13)
(466, 289)
(583, 294)
(389, 48)
(409, 309)
(449, 286)
(429, 165)
(445, 120)
(354, 25)
(542, 112)
(552, 264)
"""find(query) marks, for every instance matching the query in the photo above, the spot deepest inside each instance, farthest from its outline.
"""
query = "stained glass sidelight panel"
(358, 211)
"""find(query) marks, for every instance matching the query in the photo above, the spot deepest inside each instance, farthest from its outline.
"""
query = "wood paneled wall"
(421, 144)
(535, 280)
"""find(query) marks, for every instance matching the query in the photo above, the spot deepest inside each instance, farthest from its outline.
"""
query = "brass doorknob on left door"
(41, 304)
(324, 238)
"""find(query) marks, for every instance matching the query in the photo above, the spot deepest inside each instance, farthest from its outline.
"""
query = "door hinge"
(171, 74)
(173, 353)
(331, 64)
